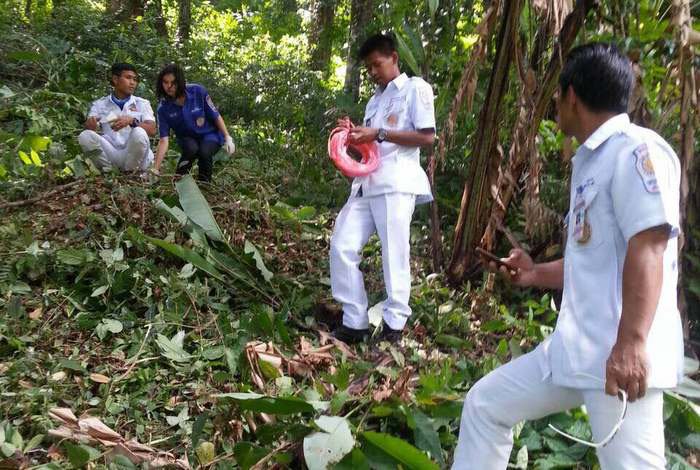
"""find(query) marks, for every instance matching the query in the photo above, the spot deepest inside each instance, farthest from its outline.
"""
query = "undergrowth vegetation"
(191, 322)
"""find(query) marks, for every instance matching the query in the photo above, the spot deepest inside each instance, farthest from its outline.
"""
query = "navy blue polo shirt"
(195, 118)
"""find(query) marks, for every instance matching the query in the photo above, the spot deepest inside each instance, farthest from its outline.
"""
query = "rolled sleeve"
(163, 125)
(423, 106)
(645, 190)
(147, 112)
(209, 107)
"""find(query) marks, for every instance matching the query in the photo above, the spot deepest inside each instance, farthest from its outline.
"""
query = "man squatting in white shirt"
(400, 117)
(126, 122)
(618, 327)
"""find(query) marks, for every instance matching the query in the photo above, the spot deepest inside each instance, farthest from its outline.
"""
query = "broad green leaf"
(3, 171)
(248, 454)
(71, 364)
(173, 348)
(99, 291)
(184, 253)
(75, 257)
(329, 445)
(433, 6)
(198, 427)
(78, 455)
(521, 458)
(691, 411)
(271, 405)
(355, 460)
(426, 437)
(306, 213)
(25, 158)
(121, 462)
(407, 55)
(36, 160)
(206, 452)
(175, 212)
(197, 208)
(39, 143)
(399, 450)
(7, 449)
(250, 249)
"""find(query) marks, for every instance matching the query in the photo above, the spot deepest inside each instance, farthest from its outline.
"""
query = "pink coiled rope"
(338, 152)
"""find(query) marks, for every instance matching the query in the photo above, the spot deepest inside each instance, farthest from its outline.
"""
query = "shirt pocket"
(370, 112)
(395, 112)
(585, 223)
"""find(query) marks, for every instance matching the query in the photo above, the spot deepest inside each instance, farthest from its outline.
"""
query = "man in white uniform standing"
(400, 117)
(125, 121)
(618, 326)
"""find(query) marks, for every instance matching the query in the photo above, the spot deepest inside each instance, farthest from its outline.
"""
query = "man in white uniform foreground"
(125, 121)
(618, 326)
(400, 117)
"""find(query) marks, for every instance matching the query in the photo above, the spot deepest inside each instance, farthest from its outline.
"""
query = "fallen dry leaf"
(99, 378)
(36, 313)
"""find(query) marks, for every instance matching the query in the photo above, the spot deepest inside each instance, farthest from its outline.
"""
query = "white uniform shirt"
(405, 104)
(136, 107)
(625, 179)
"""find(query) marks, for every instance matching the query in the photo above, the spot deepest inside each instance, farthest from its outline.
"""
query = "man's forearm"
(642, 278)
(424, 138)
(149, 127)
(549, 275)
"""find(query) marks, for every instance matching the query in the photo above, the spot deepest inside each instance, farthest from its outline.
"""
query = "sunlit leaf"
(330, 444)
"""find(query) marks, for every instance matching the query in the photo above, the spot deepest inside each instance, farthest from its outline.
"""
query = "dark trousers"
(201, 150)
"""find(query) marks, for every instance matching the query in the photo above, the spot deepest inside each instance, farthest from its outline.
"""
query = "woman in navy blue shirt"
(188, 110)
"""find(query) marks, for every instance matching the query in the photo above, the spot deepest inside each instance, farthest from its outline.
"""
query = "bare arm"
(162, 149)
(419, 138)
(149, 127)
(91, 123)
(221, 125)
(525, 273)
(642, 278)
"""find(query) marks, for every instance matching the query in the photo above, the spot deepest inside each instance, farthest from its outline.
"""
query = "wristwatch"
(135, 123)
(381, 135)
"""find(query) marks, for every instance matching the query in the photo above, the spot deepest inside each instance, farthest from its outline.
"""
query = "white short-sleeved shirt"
(404, 104)
(136, 107)
(625, 180)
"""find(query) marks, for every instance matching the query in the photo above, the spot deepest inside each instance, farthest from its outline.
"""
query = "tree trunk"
(682, 22)
(531, 114)
(28, 8)
(463, 98)
(360, 17)
(158, 18)
(184, 20)
(321, 35)
(475, 198)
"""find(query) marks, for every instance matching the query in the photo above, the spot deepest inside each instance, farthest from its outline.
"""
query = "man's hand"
(121, 122)
(91, 124)
(627, 369)
(522, 271)
(362, 135)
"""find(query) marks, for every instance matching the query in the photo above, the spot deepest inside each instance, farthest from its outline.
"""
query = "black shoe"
(389, 334)
(350, 335)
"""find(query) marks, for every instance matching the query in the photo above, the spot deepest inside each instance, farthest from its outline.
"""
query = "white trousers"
(390, 216)
(516, 392)
(134, 156)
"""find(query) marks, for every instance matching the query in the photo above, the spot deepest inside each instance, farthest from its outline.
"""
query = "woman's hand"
(229, 146)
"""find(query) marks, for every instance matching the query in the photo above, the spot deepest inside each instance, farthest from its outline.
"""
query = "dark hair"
(382, 43)
(179, 75)
(600, 75)
(120, 67)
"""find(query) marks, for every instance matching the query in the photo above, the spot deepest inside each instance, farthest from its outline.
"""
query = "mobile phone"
(494, 258)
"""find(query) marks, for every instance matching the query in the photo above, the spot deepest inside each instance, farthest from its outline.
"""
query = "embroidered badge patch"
(200, 121)
(211, 103)
(132, 107)
(392, 119)
(645, 168)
